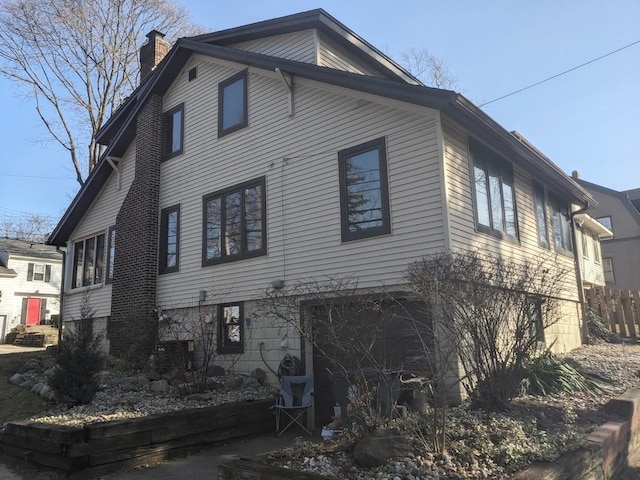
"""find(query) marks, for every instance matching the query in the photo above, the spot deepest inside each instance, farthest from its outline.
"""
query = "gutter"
(584, 328)
(61, 301)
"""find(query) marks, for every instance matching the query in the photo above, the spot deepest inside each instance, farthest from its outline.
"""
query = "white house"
(30, 282)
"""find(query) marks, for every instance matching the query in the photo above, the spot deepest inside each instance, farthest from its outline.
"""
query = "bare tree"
(495, 310)
(78, 60)
(30, 227)
(431, 70)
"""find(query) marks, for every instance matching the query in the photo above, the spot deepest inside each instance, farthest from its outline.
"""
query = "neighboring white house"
(30, 279)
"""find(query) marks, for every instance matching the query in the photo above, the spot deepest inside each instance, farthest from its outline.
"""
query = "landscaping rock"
(45, 391)
(378, 447)
(139, 381)
(37, 387)
(160, 386)
(259, 375)
(233, 383)
(250, 382)
(28, 383)
(17, 379)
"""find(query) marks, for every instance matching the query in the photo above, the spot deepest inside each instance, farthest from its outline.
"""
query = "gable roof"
(20, 248)
(326, 24)
(119, 130)
(622, 196)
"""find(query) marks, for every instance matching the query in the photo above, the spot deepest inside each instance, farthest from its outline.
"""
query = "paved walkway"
(7, 348)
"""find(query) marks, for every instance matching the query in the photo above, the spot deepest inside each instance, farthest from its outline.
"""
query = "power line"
(33, 176)
(560, 74)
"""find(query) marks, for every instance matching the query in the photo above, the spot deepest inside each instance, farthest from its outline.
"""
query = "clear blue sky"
(588, 119)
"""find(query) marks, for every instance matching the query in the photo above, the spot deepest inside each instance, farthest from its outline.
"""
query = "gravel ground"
(129, 397)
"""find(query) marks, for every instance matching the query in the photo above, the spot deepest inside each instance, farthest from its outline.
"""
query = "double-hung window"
(561, 225)
(495, 201)
(230, 328)
(234, 223)
(174, 131)
(364, 194)
(88, 262)
(232, 104)
(38, 272)
(170, 239)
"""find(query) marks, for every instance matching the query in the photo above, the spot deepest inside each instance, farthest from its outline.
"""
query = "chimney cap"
(154, 33)
(576, 175)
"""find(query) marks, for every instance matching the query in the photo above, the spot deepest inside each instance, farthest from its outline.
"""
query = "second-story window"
(232, 104)
(561, 225)
(174, 131)
(364, 194)
(234, 223)
(38, 272)
(606, 221)
(494, 193)
(169, 239)
(541, 215)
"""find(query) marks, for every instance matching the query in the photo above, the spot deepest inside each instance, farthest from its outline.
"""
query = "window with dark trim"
(495, 202)
(111, 254)
(174, 131)
(606, 221)
(37, 272)
(88, 262)
(364, 192)
(232, 104)
(560, 225)
(234, 223)
(231, 328)
(170, 239)
(541, 215)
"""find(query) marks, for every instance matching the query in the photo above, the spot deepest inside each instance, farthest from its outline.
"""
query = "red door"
(33, 311)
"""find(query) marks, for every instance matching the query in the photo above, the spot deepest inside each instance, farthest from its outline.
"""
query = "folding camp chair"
(295, 399)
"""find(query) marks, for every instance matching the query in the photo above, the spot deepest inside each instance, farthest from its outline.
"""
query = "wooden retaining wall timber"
(106, 447)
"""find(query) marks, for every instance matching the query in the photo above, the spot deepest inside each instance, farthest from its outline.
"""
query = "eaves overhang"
(119, 131)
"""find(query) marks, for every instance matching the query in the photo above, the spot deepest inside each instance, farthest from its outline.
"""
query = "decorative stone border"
(106, 447)
(608, 449)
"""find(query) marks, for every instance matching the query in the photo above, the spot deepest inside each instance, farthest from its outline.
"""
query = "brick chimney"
(152, 52)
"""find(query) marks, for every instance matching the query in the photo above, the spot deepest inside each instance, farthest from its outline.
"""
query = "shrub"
(598, 329)
(79, 359)
(548, 374)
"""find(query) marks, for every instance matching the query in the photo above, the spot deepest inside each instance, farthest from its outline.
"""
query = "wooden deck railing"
(620, 309)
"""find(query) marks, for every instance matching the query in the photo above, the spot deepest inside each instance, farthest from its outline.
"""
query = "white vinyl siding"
(299, 46)
(299, 158)
(101, 215)
(333, 56)
(590, 266)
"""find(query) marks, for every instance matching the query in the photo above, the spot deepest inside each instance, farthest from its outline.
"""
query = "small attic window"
(193, 73)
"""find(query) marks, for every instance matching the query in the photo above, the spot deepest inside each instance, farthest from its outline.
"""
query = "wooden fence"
(620, 309)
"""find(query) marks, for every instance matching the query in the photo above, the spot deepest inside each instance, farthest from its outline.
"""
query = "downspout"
(61, 301)
(584, 328)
